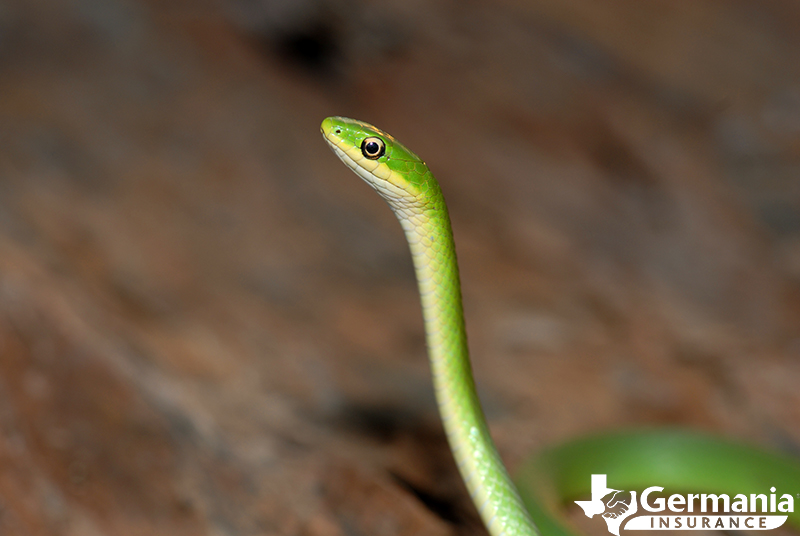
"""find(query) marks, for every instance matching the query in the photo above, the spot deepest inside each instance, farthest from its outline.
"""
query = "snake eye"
(373, 148)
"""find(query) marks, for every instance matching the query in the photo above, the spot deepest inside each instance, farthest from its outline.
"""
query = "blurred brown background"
(209, 326)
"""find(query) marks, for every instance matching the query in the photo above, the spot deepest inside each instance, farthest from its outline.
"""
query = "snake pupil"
(373, 148)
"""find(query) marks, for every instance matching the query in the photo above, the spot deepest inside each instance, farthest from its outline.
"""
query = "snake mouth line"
(393, 194)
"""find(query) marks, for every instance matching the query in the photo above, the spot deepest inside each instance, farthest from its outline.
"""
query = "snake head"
(396, 173)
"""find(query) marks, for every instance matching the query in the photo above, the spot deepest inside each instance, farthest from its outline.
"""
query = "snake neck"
(430, 238)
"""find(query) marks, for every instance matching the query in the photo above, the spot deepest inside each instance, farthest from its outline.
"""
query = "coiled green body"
(632, 459)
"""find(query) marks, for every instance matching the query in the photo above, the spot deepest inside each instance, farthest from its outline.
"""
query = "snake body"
(683, 460)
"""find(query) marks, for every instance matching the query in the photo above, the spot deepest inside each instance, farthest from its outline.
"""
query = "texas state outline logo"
(692, 511)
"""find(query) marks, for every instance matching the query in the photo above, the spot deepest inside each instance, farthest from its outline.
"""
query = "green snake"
(676, 460)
